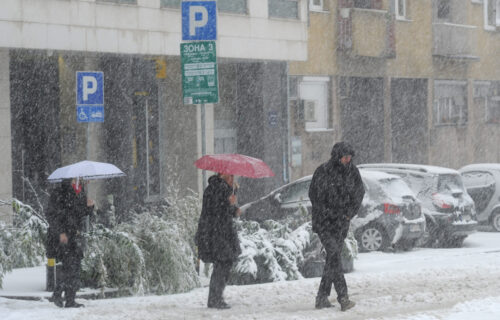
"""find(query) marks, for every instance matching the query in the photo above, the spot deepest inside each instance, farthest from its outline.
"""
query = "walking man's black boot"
(346, 304)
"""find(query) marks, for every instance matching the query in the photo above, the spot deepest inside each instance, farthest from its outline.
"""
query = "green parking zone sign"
(199, 72)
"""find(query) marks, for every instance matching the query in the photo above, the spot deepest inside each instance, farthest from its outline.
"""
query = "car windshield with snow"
(482, 182)
(449, 210)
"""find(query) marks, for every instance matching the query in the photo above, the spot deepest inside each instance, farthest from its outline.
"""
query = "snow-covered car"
(482, 182)
(389, 215)
(449, 210)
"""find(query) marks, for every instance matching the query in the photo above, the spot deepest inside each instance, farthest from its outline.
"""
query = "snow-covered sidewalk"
(422, 284)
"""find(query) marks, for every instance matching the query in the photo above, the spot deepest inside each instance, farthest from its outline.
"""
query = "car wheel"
(495, 220)
(373, 238)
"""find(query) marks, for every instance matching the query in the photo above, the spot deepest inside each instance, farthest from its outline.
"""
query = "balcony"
(455, 41)
(372, 33)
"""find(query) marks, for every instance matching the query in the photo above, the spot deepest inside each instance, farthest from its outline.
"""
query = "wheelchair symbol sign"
(89, 96)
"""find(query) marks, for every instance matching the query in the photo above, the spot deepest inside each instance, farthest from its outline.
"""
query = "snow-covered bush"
(168, 257)
(27, 246)
(22, 243)
(152, 252)
(113, 259)
(271, 252)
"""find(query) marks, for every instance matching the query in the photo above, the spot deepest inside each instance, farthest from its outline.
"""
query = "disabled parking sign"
(89, 96)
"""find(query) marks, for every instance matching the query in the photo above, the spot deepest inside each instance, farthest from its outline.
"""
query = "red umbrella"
(235, 164)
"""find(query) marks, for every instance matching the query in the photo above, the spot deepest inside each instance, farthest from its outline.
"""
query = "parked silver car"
(482, 182)
(448, 208)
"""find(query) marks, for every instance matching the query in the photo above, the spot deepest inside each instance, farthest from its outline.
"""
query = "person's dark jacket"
(65, 214)
(216, 237)
(336, 193)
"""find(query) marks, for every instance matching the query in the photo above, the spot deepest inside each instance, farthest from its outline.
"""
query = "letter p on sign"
(89, 88)
(199, 20)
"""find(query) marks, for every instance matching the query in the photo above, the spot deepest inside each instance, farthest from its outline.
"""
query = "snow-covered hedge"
(270, 252)
(22, 243)
(277, 251)
(152, 252)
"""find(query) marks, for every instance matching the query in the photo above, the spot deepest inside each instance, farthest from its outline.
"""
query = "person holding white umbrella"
(68, 206)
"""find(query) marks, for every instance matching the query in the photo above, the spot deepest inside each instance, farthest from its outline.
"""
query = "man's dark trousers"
(218, 280)
(332, 272)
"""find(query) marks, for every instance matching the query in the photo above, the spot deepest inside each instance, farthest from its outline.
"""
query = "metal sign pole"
(203, 142)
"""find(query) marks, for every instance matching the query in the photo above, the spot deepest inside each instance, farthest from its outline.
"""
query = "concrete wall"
(5, 135)
(145, 28)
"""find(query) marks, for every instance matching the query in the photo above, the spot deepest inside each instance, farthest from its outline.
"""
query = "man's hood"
(341, 149)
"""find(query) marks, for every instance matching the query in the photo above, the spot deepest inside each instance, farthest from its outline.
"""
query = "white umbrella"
(86, 170)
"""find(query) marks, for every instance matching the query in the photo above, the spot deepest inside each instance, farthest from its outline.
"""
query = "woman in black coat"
(217, 238)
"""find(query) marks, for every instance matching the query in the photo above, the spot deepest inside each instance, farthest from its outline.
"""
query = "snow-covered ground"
(424, 284)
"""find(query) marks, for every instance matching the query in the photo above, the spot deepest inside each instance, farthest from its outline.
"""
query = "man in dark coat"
(336, 193)
(216, 237)
(68, 206)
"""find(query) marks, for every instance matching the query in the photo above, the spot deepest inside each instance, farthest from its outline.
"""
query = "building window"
(288, 9)
(316, 5)
(224, 140)
(450, 103)
(232, 6)
(313, 92)
(120, 1)
(444, 10)
(170, 3)
(491, 14)
(363, 4)
(489, 95)
(400, 9)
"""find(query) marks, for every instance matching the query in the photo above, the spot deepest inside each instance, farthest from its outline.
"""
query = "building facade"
(413, 81)
(148, 132)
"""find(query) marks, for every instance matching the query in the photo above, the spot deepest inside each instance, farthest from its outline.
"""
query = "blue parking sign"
(89, 96)
(199, 20)
(89, 88)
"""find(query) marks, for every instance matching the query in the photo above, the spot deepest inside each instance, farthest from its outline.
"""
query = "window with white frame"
(288, 9)
(232, 6)
(450, 102)
(170, 3)
(316, 5)
(489, 94)
(400, 9)
(313, 93)
(491, 14)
